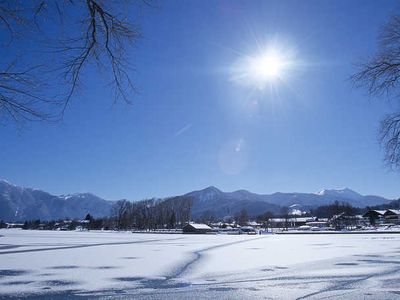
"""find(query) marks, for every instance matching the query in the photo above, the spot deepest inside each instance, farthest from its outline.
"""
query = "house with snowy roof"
(392, 216)
(374, 216)
(196, 228)
(383, 216)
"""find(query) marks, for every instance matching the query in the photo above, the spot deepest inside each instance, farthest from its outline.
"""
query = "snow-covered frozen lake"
(40, 264)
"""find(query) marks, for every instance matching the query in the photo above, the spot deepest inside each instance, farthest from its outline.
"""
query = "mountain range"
(221, 203)
(20, 203)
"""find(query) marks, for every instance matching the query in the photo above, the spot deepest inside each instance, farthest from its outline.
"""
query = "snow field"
(174, 266)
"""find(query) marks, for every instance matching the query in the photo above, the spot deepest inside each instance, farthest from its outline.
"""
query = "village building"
(290, 222)
(254, 224)
(196, 228)
(14, 225)
(378, 217)
(247, 230)
(318, 224)
(374, 216)
(346, 221)
(392, 216)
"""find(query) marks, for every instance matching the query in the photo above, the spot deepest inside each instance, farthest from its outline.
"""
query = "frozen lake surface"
(49, 264)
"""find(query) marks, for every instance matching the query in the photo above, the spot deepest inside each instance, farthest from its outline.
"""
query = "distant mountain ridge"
(213, 200)
(20, 203)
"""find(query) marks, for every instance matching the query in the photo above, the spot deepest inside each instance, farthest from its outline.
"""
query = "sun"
(267, 67)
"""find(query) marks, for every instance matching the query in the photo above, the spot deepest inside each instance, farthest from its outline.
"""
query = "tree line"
(175, 212)
(151, 214)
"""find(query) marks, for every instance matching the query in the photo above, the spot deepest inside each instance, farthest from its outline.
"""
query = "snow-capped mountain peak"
(344, 193)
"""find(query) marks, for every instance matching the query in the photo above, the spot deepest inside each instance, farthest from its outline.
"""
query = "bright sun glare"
(265, 68)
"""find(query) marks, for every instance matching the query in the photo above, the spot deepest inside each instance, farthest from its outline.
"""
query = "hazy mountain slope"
(18, 204)
(221, 203)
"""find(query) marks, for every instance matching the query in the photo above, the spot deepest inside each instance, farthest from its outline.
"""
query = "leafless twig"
(381, 76)
(102, 40)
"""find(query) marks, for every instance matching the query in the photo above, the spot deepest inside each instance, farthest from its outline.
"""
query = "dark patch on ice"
(154, 283)
(47, 274)
(380, 261)
(254, 248)
(63, 267)
(12, 272)
(197, 255)
(346, 282)
(119, 292)
(7, 246)
(267, 270)
(82, 246)
(60, 282)
(105, 267)
(129, 257)
(164, 284)
(156, 249)
(301, 279)
(253, 289)
(222, 289)
(281, 268)
(129, 279)
(211, 280)
(327, 244)
(291, 284)
(393, 283)
(367, 255)
(18, 282)
(346, 264)
(49, 295)
(395, 292)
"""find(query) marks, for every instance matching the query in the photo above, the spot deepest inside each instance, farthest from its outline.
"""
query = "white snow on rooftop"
(199, 226)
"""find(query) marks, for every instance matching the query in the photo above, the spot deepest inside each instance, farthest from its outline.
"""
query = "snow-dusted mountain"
(219, 204)
(19, 204)
(345, 193)
(212, 200)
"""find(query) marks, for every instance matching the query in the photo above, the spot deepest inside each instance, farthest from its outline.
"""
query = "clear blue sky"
(193, 126)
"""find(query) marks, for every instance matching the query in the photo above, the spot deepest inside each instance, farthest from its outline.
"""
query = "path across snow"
(101, 264)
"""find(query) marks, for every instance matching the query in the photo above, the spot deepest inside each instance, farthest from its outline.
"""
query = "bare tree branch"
(390, 138)
(380, 75)
(101, 40)
(105, 38)
(18, 98)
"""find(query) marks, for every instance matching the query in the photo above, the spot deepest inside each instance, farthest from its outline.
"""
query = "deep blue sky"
(192, 126)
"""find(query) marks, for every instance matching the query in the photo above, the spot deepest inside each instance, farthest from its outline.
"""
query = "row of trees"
(174, 212)
(152, 213)
(336, 208)
(3, 224)
(395, 204)
(90, 224)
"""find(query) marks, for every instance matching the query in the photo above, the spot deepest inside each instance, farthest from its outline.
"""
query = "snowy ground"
(40, 264)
